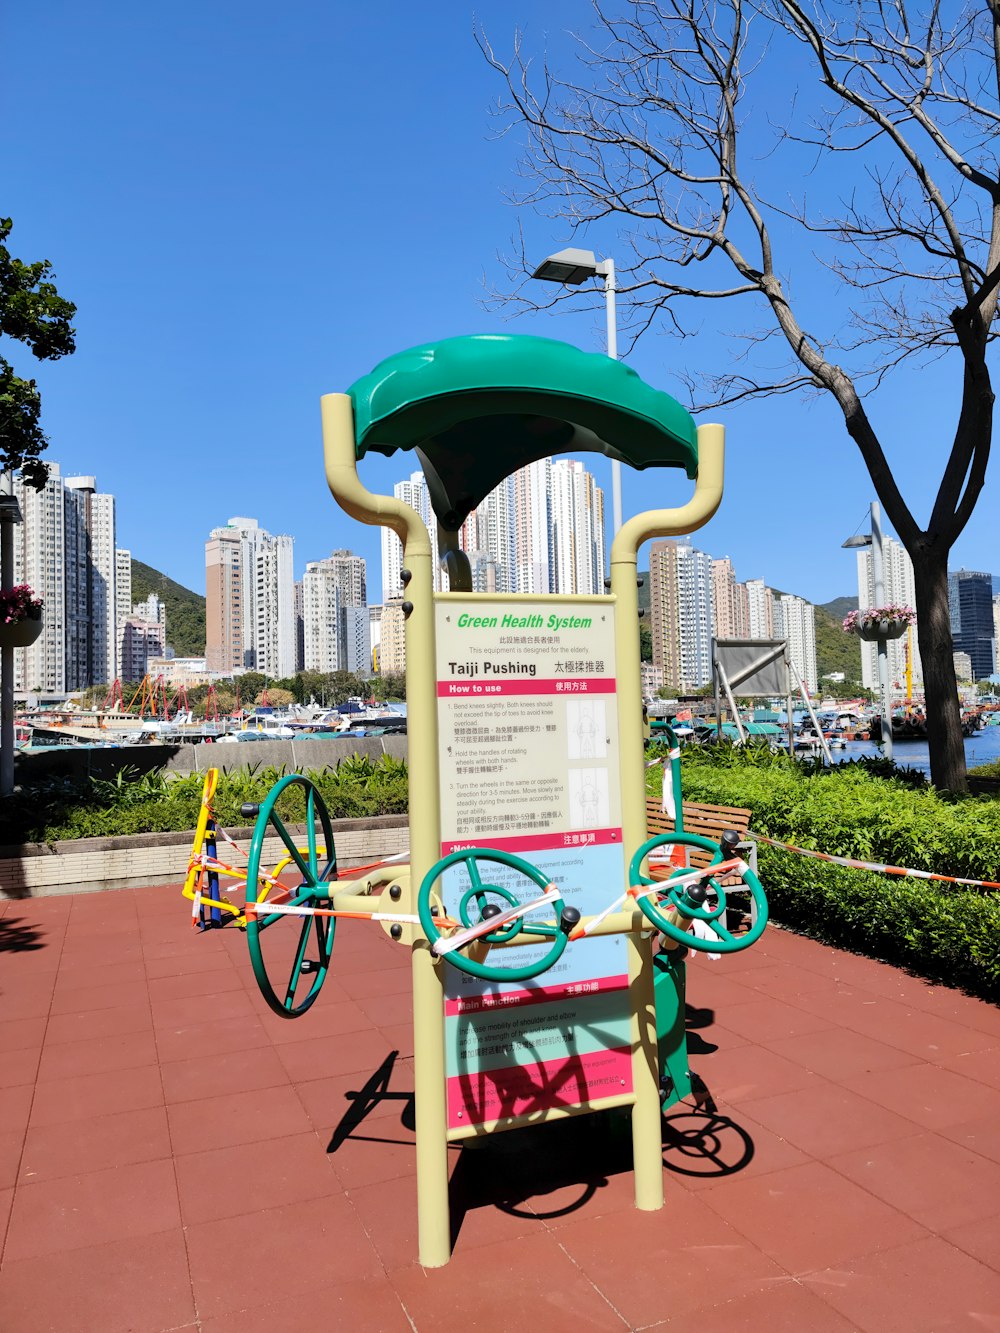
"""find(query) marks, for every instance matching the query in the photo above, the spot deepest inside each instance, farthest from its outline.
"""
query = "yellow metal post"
(433, 1218)
(646, 1131)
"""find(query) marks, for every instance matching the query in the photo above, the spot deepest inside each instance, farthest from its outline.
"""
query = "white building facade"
(64, 548)
(795, 622)
(898, 578)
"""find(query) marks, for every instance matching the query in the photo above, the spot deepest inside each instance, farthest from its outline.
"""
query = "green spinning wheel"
(481, 901)
(690, 900)
(287, 951)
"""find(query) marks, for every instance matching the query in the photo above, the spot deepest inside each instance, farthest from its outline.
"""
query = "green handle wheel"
(316, 868)
(690, 903)
(484, 897)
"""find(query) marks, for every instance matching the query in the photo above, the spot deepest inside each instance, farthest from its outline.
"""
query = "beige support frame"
(433, 1217)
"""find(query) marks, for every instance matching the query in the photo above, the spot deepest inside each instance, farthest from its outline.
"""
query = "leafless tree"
(648, 138)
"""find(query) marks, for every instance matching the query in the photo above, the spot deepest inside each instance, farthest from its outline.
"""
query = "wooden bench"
(708, 821)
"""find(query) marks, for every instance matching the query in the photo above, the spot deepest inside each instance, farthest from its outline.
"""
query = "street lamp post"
(10, 514)
(874, 540)
(573, 267)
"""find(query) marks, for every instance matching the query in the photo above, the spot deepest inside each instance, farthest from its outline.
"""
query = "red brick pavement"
(164, 1156)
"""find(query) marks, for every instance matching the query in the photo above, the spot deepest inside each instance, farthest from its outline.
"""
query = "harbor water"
(981, 748)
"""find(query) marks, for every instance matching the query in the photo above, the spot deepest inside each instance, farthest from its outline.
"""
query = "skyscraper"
(680, 598)
(249, 600)
(413, 492)
(795, 622)
(541, 530)
(123, 604)
(65, 549)
(577, 529)
(333, 638)
(970, 603)
(730, 601)
(760, 610)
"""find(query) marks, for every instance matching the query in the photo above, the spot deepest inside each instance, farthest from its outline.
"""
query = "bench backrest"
(710, 821)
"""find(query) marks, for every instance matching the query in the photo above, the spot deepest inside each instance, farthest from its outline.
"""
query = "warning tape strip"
(875, 866)
(735, 866)
(638, 891)
(481, 928)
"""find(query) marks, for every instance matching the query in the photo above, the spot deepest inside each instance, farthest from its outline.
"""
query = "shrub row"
(59, 809)
(941, 931)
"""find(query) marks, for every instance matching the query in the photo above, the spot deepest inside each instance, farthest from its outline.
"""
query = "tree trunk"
(944, 718)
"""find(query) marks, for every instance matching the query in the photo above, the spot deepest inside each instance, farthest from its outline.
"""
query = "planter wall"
(88, 865)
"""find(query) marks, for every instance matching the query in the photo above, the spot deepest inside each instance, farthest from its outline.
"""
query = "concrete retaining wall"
(296, 755)
(88, 865)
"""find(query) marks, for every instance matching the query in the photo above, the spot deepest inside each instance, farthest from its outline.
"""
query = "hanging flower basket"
(20, 617)
(880, 622)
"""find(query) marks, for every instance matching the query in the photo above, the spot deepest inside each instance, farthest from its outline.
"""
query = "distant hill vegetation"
(185, 609)
(835, 650)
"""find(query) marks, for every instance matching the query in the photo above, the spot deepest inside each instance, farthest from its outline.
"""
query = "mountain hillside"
(835, 650)
(185, 609)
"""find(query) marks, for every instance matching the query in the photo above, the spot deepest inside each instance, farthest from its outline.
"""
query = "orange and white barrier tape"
(876, 866)
(736, 866)
(638, 891)
(481, 928)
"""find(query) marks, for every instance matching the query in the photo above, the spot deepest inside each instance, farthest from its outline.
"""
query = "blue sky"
(253, 206)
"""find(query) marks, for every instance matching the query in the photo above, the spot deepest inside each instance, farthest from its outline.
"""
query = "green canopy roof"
(477, 408)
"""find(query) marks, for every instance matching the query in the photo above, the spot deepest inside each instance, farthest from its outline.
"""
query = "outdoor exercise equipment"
(537, 989)
(675, 902)
(317, 868)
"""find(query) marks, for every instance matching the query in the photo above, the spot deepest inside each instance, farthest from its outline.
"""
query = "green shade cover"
(478, 408)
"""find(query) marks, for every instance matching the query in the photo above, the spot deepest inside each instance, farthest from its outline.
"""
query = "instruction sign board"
(529, 764)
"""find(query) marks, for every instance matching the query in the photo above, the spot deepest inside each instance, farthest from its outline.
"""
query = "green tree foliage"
(31, 312)
(645, 642)
(276, 697)
(185, 609)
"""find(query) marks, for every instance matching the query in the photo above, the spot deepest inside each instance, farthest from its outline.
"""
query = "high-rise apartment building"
(795, 622)
(681, 616)
(93, 623)
(533, 527)
(123, 605)
(413, 492)
(730, 602)
(224, 602)
(249, 600)
(970, 602)
(897, 573)
(334, 639)
(65, 549)
(392, 639)
(357, 641)
(577, 529)
(540, 531)
(760, 610)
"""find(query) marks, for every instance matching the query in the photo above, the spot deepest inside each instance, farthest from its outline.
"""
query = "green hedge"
(57, 810)
(940, 931)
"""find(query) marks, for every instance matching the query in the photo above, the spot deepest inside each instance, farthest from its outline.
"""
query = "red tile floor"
(166, 1163)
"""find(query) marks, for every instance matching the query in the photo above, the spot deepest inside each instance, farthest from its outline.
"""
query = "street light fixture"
(573, 267)
(874, 540)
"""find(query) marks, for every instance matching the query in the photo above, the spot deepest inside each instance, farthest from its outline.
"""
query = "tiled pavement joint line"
(173, 1159)
(590, 1281)
(31, 1104)
(368, 1237)
(733, 1301)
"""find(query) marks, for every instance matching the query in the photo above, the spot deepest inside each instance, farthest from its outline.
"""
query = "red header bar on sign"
(539, 842)
(469, 689)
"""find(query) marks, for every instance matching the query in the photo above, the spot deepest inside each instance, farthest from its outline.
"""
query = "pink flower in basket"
(866, 616)
(19, 604)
